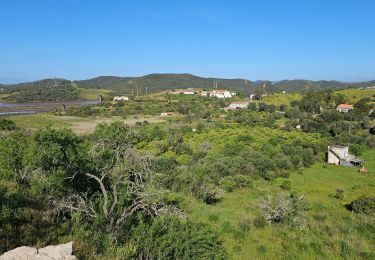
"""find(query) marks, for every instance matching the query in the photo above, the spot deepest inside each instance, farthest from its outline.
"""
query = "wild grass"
(78, 124)
(329, 230)
(90, 94)
(278, 99)
(355, 95)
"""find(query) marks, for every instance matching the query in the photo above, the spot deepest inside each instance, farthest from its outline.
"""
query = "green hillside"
(61, 89)
(302, 85)
(159, 82)
(46, 90)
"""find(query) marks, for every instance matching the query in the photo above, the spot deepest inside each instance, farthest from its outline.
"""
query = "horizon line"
(15, 82)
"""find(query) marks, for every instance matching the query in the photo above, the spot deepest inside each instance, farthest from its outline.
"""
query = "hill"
(46, 90)
(159, 82)
(302, 85)
(62, 89)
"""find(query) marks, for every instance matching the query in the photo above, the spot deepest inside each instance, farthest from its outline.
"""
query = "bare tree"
(274, 208)
(125, 189)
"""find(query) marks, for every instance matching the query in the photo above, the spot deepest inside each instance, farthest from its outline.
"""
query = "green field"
(329, 230)
(355, 95)
(89, 94)
(78, 124)
(278, 99)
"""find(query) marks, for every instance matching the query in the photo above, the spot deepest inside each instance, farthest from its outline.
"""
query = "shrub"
(230, 183)
(171, 238)
(286, 185)
(227, 183)
(364, 205)
(6, 124)
(274, 208)
(210, 194)
(281, 208)
(339, 194)
(269, 175)
(245, 138)
(357, 149)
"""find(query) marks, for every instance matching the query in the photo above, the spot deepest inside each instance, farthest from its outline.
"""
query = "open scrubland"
(202, 182)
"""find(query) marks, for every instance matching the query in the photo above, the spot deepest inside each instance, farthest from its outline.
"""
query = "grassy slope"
(330, 230)
(89, 94)
(278, 99)
(355, 95)
(3, 96)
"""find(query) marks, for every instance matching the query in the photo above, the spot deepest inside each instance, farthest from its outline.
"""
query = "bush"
(230, 183)
(357, 149)
(210, 194)
(339, 194)
(364, 205)
(6, 124)
(286, 185)
(281, 208)
(171, 238)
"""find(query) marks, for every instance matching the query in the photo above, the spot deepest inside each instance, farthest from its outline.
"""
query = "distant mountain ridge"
(153, 83)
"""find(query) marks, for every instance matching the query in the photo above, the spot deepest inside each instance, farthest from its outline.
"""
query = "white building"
(189, 92)
(220, 93)
(340, 155)
(344, 108)
(238, 105)
(121, 98)
(336, 153)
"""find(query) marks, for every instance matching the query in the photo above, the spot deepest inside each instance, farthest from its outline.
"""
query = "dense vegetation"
(206, 184)
(44, 90)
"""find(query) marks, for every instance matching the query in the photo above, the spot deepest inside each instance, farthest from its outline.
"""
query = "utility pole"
(215, 84)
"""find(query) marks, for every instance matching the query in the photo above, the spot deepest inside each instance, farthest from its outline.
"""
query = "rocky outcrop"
(59, 252)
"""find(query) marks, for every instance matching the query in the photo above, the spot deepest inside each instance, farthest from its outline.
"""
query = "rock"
(59, 252)
(63, 251)
(23, 252)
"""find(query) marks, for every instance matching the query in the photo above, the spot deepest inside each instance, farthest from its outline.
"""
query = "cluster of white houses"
(218, 93)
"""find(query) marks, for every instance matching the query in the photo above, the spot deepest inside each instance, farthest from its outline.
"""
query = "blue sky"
(274, 40)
